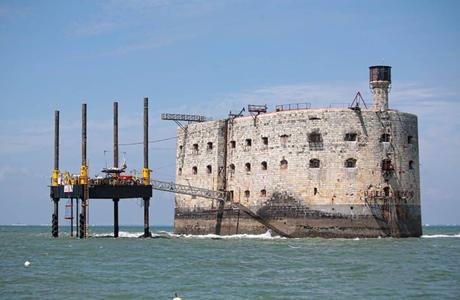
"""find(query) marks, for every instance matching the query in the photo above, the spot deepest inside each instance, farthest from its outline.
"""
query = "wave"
(431, 236)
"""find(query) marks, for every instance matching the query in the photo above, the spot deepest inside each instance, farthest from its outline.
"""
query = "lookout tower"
(380, 82)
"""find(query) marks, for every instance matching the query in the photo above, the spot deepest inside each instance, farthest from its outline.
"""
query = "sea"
(232, 267)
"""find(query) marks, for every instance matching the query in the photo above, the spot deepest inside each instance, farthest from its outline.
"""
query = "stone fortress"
(328, 172)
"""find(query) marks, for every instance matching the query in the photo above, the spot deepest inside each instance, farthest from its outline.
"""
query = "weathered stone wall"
(281, 140)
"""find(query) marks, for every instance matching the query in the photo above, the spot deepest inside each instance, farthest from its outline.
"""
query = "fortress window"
(209, 146)
(195, 148)
(232, 144)
(265, 140)
(314, 163)
(315, 141)
(315, 137)
(284, 139)
(195, 170)
(179, 171)
(386, 165)
(248, 142)
(350, 163)
(247, 193)
(247, 167)
(410, 139)
(385, 138)
(181, 148)
(263, 193)
(411, 165)
(209, 169)
(386, 191)
(315, 191)
(350, 137)
(283, 164)
(264, 165)
(231, 169)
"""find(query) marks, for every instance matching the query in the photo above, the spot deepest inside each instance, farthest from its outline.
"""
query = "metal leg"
(55, 218)
(146, 218)
(71, 216)
(115, 217)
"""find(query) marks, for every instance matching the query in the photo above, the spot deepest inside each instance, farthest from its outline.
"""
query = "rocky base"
(337, 221)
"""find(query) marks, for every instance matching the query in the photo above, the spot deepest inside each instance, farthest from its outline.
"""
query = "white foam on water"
(122, 234)
(431, 236)
(356, 239)
(264, 236)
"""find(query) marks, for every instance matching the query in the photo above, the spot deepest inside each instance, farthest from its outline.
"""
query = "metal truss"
(188, 190)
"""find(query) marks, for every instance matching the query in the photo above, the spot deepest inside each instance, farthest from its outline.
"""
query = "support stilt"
(146, 217)
(83, 219)
(115, 217)
(77, 231)
(55, 218)
(71, 216)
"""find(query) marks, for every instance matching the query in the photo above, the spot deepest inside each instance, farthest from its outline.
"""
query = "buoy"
(26, 263)
(176, 297)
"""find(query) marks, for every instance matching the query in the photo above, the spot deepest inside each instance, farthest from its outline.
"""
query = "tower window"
(264, 165)
(195, 148)
(410, 139)
(283, 164)
(179, 171)
(386, 165)
(350, 137)
(386, 191)
(411, 165)
(315, 141)
(265, 141)
(195, 170)
(284, 139)
(385, 138)
(231, 168)
(209, 146)
(314, 163)
(247, 193)
(263, 193)
(350, 163)
(232, 144)
(315, 191)
(247, 167)
(248, 142)
(209, 169)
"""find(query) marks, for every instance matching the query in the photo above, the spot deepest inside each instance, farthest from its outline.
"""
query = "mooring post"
(146, 170)
(55, 176)
(83, 174)
(115, 165)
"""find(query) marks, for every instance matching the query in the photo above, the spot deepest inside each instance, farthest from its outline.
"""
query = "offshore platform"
(79, 189)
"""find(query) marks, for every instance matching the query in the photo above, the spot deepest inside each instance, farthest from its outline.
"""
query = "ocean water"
(236, 267)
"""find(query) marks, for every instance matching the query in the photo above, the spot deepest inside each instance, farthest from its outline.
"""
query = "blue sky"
(209, 57)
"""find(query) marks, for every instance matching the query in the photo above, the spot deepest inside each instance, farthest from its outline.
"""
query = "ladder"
(390, 201)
